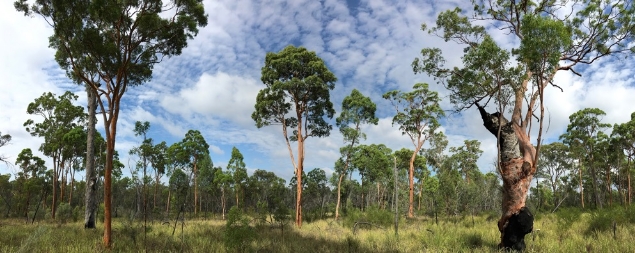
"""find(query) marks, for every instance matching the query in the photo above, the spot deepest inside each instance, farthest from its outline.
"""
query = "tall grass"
(562, 232)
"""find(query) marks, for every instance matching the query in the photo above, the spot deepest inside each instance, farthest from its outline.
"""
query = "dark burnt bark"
(517, 170)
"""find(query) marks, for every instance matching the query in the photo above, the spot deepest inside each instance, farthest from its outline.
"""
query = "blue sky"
(212, 86)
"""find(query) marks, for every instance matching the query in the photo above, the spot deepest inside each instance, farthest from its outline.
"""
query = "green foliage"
(238, 235)
(64, 213)
(567, 216)
(301, 77)
(543, 41)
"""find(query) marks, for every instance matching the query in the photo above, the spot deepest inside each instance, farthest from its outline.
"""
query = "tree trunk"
(222, 200)
(90, 194)
(411, 184)
(608, 185)
(298, 174)
(167, 207)
(339, 190)
(581, 188)
(156, 188)
(70, 192)
(195, 188)
(517, 169)
(55, 165)
(111, 133)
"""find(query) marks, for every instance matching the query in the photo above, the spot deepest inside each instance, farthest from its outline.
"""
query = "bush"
(64, 213)
(238, 235)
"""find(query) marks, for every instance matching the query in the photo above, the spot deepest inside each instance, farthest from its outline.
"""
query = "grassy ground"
(577, 233)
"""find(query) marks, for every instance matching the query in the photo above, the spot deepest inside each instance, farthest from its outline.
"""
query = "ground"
(585, 232)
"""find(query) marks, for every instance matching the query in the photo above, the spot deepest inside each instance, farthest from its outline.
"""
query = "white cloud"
(212, 86)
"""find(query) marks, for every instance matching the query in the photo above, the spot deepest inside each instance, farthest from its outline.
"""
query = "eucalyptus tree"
(33, 168)
(223, 179)
(189, 152)
(113, 45)
(555, 162)
(545, 38)
(417, 114)
(624, 136)
(373, 163)
(144, 152)
(582, 137)
(298, 78)
(237, 168)
(466, 157)
(4, 140)
(60, 116)
(73, 151)
(316, 192)
(357, 109)
(159, 160)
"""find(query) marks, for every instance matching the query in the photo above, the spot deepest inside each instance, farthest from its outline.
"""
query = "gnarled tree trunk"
(517, 169)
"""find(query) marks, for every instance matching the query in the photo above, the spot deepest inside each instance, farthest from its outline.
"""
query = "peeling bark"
(517, 170)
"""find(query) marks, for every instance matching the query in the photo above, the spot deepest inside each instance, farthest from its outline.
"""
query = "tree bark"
(195, 187)
(298, 175)
(55, 174)
(339, 190)
(581, 188)
(517, 170)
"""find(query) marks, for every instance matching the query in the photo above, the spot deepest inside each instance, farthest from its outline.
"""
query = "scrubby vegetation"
(568, 230)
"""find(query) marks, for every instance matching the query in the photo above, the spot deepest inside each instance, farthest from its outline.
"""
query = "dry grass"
(418, 235)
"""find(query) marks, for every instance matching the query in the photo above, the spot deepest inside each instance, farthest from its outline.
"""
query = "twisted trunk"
(517, 170)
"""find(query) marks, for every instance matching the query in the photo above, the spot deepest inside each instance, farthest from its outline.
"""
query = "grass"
(453, 234)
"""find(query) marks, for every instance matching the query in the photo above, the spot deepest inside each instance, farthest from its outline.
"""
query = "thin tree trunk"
(411, 183)
(54, 187)
(222, 200)
(608, 185)
(167, 207)
(63, 174)
(70, 192)
(156, 188)
(195, 188)
(339, 193)
(581, 188)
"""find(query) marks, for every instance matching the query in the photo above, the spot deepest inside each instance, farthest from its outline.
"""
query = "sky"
(212, 85)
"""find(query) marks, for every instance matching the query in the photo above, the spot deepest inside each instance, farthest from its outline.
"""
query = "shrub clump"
(238, 235)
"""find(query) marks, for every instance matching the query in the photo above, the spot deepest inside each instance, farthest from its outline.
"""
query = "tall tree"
(554, 163)
(60, 117)
(581, 136)
(223, 179)
(110, 45)
(299, 78)
(466, 156)
(144, 151)
(158, 160)
(236, 167)
(417, 114)
(548, 37)
(33, 167)
(189, 152)
(357, 109)
(624, 135)
(373, 162)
